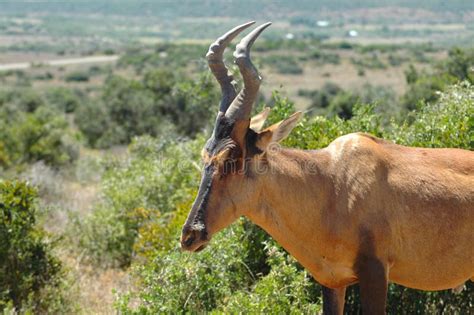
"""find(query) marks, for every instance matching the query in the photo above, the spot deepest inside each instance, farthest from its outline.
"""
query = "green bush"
(219, 279)
(25, 100)
(44, 76)
(449, 122)
(177, 282)
(427, 86)
(284, 64)
(460, 64)
(318, 132)
(285, 290)
(94, 122)
(333, 100)
(160, 103)
(324, 57)
(78, 76)
(164, 55)
(157, 176)
(64, 99)
(370, 62)
(31, 277)
(396, 60)
(342, 104)
(41, 135)
(321, 98)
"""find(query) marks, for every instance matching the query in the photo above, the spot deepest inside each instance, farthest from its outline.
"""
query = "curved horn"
(218, 68)
(242, 105)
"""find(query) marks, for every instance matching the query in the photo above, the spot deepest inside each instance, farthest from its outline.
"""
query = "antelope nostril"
(189, 240)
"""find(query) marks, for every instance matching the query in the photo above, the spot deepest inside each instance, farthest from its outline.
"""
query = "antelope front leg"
(333, 301)
(373, 284)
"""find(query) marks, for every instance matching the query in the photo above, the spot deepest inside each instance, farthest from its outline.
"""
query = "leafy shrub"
(420, 56)
(379, 47)
(321, 99)
(77, 76)
(284, 64)
(180, 282)
(173, 56)
(460, 64)
(370, 62)
(318, 132)
(44, 76)
(46, 180)
(396, 60)
(88, 169)
(130, 107)
(25, 100)
(162, 102)
(41, 135)
(426, 86)
(63, 99)
(342, 104)
(333, 100)
(217, 278)
(324, 57)
(94, 122)
(449, 122)
(30, 275)
(157, 176)
(285, 290)
(411, 75)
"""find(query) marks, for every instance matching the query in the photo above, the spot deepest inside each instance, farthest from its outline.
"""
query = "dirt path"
(59, 62)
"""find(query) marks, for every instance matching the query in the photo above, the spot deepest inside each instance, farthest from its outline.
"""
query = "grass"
(96, 288)
(71, 193)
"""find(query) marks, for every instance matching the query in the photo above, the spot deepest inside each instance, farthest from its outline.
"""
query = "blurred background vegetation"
(105, 106)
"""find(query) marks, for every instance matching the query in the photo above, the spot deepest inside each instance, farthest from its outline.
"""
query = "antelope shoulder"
(356, 161)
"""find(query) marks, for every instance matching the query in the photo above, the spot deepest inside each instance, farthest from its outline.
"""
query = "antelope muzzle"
(193, 239)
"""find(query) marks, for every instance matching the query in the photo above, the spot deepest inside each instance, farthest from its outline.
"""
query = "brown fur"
(358, 206)
(417, 204)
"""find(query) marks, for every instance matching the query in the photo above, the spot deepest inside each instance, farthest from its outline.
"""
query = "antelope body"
(363, 210)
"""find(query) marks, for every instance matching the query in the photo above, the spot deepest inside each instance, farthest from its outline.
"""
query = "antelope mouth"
(195, 248)
(200, 248)
(194, 241)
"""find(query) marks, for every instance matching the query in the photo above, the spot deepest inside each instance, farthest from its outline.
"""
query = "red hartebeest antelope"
(363, 210)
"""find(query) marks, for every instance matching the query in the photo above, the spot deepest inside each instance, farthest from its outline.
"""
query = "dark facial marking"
(220, 135)
(200, 204)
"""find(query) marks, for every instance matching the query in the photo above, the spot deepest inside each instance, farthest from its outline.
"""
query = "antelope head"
(234, 155)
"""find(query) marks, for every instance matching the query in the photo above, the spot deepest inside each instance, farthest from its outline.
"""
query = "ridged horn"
(241, 106)
(216, 64)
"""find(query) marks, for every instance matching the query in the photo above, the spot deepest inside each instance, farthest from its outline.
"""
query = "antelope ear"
(257, 121)
(239, 132)
(278, 131)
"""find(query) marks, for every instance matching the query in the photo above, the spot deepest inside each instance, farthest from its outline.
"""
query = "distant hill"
(87, 25)
(213, 8)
